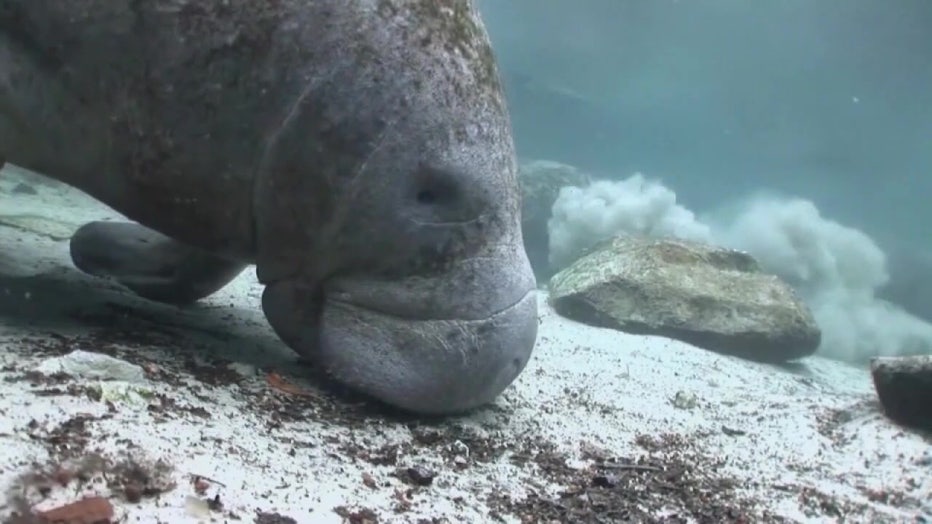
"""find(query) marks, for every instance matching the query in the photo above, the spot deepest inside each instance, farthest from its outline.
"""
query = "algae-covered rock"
(711, 297)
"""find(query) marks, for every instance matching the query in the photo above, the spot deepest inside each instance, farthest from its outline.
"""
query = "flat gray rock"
(711, 297)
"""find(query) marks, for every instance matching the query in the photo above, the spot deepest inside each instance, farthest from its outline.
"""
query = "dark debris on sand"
(670, 482)
(668, 485)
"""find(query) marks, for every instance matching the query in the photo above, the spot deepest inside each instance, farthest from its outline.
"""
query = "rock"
(119, 391)
(417, 476)
(541, 181)
(904, 387)
(684, 400)
(94, 366)
(711, 297)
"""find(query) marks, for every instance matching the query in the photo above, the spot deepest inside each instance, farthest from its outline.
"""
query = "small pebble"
(419, 476)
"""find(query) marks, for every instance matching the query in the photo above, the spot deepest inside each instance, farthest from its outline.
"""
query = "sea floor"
(201, 415)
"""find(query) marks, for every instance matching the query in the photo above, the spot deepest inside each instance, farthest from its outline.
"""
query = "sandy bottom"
(213, 419)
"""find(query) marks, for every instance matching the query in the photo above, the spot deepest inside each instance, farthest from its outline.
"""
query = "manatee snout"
(411, 344)
(386, 209)
(428, 366)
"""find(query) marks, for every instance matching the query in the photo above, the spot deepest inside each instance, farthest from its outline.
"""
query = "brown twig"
(195, 477)
(631, 467)
(277, 382)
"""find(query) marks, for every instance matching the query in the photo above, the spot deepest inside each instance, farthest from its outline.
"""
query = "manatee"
(149, 263)
(357, 152)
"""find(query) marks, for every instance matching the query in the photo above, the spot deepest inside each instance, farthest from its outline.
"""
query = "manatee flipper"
(152, 265)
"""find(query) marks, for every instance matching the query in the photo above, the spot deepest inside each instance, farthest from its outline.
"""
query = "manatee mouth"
(412, 300)
(429, 353)
(408, 311)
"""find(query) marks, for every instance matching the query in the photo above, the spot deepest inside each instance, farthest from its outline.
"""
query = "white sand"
(816, 426)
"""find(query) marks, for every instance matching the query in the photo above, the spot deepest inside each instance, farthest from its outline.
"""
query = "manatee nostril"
(426, 196)
(438, 192)
(516, 363)
(436, 187)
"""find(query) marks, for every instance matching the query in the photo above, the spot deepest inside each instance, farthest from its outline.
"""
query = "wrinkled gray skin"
(357, 151)
(151, 264)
